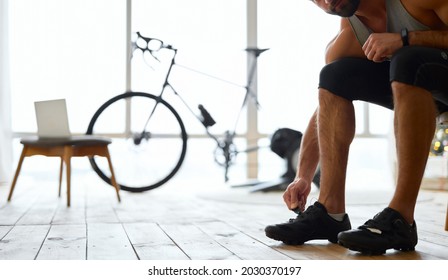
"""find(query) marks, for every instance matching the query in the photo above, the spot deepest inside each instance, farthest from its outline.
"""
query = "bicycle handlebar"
(151, 45)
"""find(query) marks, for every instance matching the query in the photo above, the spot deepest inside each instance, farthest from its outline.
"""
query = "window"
(76, 49)
(73, 49)
(297, 33)
(210, 37)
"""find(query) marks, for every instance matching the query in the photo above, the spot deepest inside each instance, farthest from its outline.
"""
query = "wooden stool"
(446, 219)
(65, 148)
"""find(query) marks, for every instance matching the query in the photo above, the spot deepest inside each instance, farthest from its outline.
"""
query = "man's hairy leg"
(414, 123)
(336, 130)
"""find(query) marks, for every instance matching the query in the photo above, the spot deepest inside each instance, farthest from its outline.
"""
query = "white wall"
(5, 115)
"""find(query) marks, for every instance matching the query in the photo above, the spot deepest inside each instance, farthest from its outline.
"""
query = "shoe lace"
(308, 213)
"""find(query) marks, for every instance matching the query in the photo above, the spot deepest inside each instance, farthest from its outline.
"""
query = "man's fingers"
(291, 198)
(302, 203)
(287, 198)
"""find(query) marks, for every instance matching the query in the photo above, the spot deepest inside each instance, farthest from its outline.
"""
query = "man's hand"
(381, 46)
(296, 194)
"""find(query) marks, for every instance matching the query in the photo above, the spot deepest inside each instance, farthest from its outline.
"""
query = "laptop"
(52, 119)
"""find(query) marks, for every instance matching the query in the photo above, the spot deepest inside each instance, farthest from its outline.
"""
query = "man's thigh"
(358, 79)
(423, 67)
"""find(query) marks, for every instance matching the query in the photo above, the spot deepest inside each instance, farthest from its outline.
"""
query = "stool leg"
(112, 177)
(446, 220)
(60, 176)
(19, 166)
(67, 159)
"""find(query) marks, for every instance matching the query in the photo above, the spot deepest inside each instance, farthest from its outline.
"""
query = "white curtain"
(5, 98)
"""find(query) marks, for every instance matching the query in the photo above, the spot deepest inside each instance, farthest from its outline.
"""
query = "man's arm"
(433, 13)
(345, 44)
(435, 39)
(380, 46)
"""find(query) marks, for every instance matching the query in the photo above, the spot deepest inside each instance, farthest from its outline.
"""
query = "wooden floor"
(181, 221)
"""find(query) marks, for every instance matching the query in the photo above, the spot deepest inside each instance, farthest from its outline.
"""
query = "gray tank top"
(397, 19)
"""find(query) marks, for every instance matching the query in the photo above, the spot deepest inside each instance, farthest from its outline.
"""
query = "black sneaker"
(314, 223)
(387, 230)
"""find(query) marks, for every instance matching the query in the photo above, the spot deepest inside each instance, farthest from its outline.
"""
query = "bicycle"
(161, 133)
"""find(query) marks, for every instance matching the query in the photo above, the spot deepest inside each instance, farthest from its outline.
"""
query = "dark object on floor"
(285, 142)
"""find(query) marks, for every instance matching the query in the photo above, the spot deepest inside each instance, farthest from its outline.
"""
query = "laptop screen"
(52, 119)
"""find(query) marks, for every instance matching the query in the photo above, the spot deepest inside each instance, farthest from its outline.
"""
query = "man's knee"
(403, 91)
(410, 98)
(358, 79)
(404, 67)
(419, 66)
(399, 88)
(334, 78)
(328, 98)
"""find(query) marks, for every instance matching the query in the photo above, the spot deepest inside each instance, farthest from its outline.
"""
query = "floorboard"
(4, 230)
(23, 242)
(190, 237)
(239, 243)
(152, 243)
(66, 242)
(175, 222)
(108, 242)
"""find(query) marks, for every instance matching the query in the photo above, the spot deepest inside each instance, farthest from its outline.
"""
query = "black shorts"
(365, 80)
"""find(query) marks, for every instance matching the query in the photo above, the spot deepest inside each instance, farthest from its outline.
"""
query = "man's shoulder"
(345, 44)
(433, 13)
(424, 4)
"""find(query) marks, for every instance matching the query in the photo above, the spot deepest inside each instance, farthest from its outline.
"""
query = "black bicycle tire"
(184, 137)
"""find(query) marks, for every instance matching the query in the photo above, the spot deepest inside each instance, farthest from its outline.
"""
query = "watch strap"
(405, 36)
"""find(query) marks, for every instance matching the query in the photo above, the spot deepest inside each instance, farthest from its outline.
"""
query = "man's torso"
(411, 14)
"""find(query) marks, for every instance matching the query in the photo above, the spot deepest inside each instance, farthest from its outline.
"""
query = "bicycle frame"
(225, 145)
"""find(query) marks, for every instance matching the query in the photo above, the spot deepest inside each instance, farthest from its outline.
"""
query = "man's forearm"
(435, 39)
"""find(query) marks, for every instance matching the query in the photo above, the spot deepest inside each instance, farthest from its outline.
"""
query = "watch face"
(405, 36)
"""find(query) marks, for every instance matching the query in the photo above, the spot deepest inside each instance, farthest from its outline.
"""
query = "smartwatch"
(405, 36)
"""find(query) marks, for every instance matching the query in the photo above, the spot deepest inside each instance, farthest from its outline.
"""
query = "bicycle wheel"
(149, 140)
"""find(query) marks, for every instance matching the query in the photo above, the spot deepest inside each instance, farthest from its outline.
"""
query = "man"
(393, 53)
